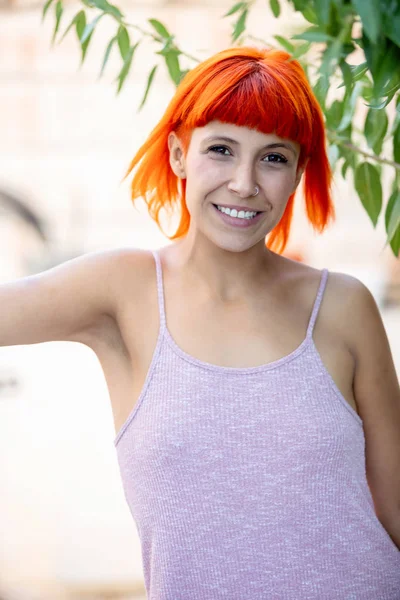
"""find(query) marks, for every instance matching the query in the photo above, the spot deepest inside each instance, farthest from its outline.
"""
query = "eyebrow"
(269, 146)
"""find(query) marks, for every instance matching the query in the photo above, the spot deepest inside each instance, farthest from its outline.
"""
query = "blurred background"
(66, 140)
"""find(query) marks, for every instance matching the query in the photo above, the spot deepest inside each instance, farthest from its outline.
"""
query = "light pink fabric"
(250, 483)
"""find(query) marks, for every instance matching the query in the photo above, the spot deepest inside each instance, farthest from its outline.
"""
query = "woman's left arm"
(377, 393)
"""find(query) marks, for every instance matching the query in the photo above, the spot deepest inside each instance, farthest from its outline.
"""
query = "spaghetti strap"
(160, 289)
(317, 303)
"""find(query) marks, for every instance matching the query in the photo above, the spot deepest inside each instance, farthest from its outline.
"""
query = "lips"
(238, 208)
(237, 223)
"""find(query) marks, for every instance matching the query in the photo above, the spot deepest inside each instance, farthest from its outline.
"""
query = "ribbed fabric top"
(250, 483)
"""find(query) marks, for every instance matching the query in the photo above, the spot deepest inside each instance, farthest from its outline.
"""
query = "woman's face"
(223, 166)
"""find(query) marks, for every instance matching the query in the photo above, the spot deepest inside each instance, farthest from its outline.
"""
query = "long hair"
(263, 89)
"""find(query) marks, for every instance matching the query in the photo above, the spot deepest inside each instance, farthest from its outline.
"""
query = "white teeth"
(234, 213)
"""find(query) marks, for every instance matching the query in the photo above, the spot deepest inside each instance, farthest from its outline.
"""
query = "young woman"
(255, 399)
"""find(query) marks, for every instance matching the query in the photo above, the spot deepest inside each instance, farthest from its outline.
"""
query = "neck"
(223, 275)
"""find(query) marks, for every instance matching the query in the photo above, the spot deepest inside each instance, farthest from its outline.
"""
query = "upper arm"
(377, 393)
(60, 303)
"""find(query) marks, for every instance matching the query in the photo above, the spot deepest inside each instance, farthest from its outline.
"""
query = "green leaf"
(350, 156)
(345, 167)
(347, 76)
(149, 82)
(383, 104)
(350, 105)
(160, 29)
(58, 9)
(124, 42)
(366, 91)
(392, 215)
(394, 200)
(334, 114)
(392, 93)
(331, 57)
(322, 9)
(370, 13)
(375, 128)
(346, 134)
(172, 62)
(368, 186)
(313, 34)
(285, 43)
(275, 7)
(391, 26)
(107, 54)
(387, 70)
(396, 144)
(348, 48)
(301, 49)
(369, 50)
(321, 88)
(300, 4)
(46, 8)
(240, 25)
(308, 13)
(84, 47)
(126, 66)
(235, 8)
(73, 22)
(80, 28)
(90, 28)
(333, 155)
(108, 8)
(80, 24)
(358, 71)
(396, 120)
(395, 243)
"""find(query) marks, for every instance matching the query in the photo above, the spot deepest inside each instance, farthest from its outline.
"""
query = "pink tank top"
(250, 483)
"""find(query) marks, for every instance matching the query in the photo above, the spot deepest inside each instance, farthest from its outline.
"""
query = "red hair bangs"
(251, 95)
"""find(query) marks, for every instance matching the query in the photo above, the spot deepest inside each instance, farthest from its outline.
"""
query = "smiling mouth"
(238, 208)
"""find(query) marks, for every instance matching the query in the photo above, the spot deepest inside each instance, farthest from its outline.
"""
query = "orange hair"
(263, 89)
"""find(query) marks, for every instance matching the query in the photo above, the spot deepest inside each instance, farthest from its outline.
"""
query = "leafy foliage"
(337, 28)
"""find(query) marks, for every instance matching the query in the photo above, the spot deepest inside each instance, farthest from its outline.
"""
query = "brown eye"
(217, 149)
(276, 158)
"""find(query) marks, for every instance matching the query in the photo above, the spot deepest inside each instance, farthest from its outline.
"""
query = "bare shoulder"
(347, 302)
(128, 267)
(353, 309)
(350, 310)
(133, 273)
(117, 269)
(123, 274)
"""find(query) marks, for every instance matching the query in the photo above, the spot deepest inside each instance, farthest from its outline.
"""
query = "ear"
(176, 155)
(299, 173)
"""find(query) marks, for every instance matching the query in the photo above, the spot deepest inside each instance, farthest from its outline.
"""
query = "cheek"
(281, 184)
(205, 172)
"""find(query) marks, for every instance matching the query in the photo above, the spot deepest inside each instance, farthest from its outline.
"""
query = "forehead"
(242, 135)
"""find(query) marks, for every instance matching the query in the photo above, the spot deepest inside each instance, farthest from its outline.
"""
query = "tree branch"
(158, 38)
(350, 146)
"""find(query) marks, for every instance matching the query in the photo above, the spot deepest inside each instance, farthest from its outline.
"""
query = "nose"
(242, 182)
